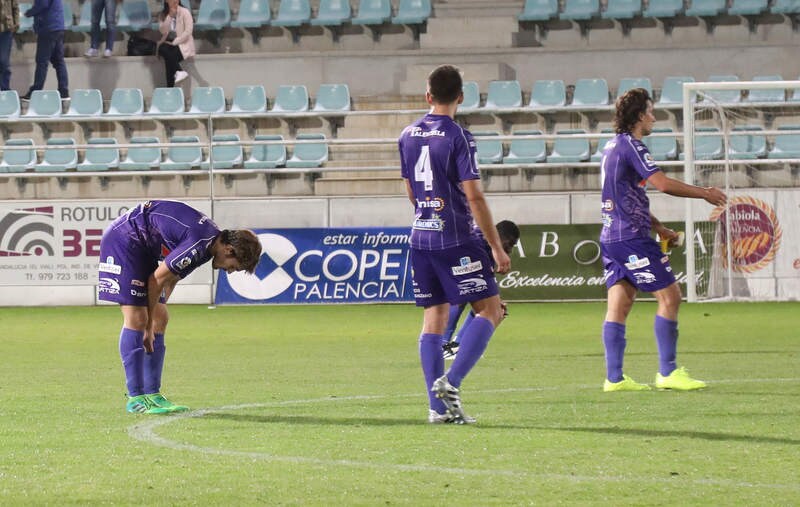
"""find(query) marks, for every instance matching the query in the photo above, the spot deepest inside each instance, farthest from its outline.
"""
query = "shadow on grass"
(702, 435)
(313, 420)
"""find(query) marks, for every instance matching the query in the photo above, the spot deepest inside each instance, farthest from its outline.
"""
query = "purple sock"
(614, 341)
(474, 340)
(154, 365)
(132, 352)
(667, 340)
(467, 320)
(430, 355)
(452, 321)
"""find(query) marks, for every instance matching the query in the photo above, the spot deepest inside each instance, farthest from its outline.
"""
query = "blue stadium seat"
(570, 149)
(706, 8)
(629, 83)
(58, 160)
(85, 103)
(622, 9)
(723, 96)
(25, 23)
(167, 101)
(144, 158)
(291, 99)
(249, 99)
(539, 10)
(18, 161)
(590, 92)
(207, 100)
(503, 95)
(706, 147)
(69, 18)
(101, 159)
(526, 151)
(186, 155)
(548, 93)
(662, 148)
(778, 7)
(489, 149)
(44, 103)
(412, 12)
(579, 10)
(663, 9)
(9, 104)
(134, 15)
(601, 144)
(126, 101)
(672, 90)
(745, 142)
(332, 13)
(373, 12)
(266, 156)
(293, 13)
(472, 96)
(213, 15)
(332, 97)
(767, 94)
(787, 144)
(252, 14)
(225, 156)
(309, 154)
(748, 7)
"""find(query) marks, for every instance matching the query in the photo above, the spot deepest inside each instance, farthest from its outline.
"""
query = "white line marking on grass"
(146, 432)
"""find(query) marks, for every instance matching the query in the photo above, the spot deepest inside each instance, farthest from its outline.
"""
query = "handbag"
(139, 46)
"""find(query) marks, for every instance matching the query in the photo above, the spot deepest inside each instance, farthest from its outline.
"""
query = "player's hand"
(149, 339)
(665, 233)
(715, 196)
(502, 261)
(504, 306)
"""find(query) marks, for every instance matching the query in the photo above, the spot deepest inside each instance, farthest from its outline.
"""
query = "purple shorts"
(639, 261)
(125, 266)
(456, 275)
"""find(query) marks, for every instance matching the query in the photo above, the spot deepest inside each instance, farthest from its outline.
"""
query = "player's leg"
(453, 315)
(131, 350)
(154, 363)
(665, 327)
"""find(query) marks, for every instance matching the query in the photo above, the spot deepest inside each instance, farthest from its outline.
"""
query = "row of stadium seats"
(184, 153)
(330, 99)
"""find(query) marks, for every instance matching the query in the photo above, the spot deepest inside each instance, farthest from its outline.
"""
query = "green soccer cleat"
(626, 384)
(678, 380)
(142, 405)
(158, 400)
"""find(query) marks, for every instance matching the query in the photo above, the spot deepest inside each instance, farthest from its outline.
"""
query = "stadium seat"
(252, 14)
(18, 161)
(167, 101)
(778, 7)
(526, 151)
(723, 96)
(224, 156)
(85, 103)
(101, 159)
(144, 158)
(747, 146)
(706, 147)
(570, 149)
(503, 95)
(181, 158)
(309, 154)
(787, 144)
(293, 13)
(590, 92)
(767, 94)
(706, 8)
(373, 12)
(490, 150)
(69, 18)
(332, 13)
(622, 9)
(332, 97)
(213, 15)
(578, 10)
(672, 90)
(472, 96)
(208, 100)
(291, 99)
(134, 15)
(249, 99)
(412, 12)
(662, 148)
(548, 93)
(25, 23)
(126, 101)
(266, 156)
(748, 7)
(663, 9)
(44, 103)
(539, 10)
(58, 160)
(629, 83)
(9, 104)
(601, 144)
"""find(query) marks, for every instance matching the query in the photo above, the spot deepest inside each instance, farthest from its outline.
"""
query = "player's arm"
(160, 279)
(483, 217)
(410, 192)
(678, 188)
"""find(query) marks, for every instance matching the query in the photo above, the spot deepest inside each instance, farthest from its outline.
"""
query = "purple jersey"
(436, 155)
(624, 170)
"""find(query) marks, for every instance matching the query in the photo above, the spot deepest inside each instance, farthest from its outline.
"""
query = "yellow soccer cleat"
(678, 380)
(626, 384)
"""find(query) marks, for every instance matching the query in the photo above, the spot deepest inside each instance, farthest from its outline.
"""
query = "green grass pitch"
(324, 405)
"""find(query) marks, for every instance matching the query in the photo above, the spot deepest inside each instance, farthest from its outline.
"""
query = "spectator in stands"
(110, 8)
(132, 275)
(9, 24)
(48, 23)
(632, 259)
(449, 259)
(177, 42)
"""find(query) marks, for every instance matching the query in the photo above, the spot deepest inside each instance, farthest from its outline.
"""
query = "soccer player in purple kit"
(450, 264)
(631, 258)
(131, 275)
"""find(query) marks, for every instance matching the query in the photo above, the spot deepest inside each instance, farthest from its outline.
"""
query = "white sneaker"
(90, 53)
(106, 53)
(446, 418)
(180, 76)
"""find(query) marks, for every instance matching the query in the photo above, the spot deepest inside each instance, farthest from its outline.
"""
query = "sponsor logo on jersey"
(466, 267)
(428, 224)
(606, 219)
(137, 283)
(472, 286)
(644, 277)
(109, 267)
(108, 285)
(436, 203)
(635, 262)
(648, 158)
(418, 132)
(608, 205)
(184, 263)
(138, 294)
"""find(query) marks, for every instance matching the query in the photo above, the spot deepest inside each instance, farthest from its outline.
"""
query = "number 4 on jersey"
(422, 169)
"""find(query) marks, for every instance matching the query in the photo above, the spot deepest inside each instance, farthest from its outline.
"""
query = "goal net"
(743, 137)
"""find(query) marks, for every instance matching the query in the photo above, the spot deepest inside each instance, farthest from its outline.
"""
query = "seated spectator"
(177, 42)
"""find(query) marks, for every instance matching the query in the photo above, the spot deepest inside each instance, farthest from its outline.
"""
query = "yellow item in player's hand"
(668, 244)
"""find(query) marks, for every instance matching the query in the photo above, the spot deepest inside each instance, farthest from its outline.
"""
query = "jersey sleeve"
(641, 160)
(466, 156)
(403, 168)
(187, 256)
